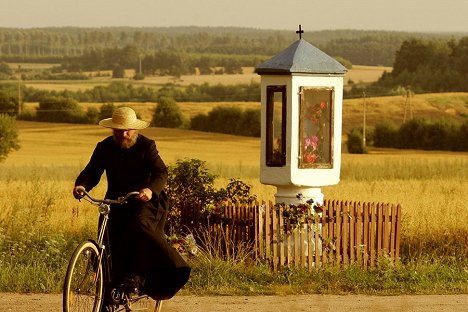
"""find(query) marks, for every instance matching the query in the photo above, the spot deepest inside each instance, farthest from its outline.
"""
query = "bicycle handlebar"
(121, 200)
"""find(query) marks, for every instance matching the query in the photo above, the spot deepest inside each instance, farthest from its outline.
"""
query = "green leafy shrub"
(385, 135)
(60, 109)
(355, 144)
(8, 136)
(229, 120)
(106, 110)
(421, 134)
(167, 114)
(193, 198)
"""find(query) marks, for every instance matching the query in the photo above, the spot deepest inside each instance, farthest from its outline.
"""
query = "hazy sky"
(406, 15)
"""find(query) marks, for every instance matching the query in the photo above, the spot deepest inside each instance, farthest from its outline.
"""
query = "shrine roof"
(301, 57)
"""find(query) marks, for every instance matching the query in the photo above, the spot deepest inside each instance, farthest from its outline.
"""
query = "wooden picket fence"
(344, 233)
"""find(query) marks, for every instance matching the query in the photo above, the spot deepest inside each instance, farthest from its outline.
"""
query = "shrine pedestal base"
(288, 194)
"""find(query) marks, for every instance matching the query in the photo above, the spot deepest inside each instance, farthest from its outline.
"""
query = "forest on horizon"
(248, 46)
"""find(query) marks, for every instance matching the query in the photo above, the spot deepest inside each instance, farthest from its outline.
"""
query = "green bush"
(8, 136)
(385, 135)
(167, 114)
(8, 101)
(106, 111)
(139, 76)
(412, 133)
(229, 120)
(189, 187)
(355, 144)
(421, 134)
(193, 197)
(225, 119)
(60, 109)
(461, 142)
(118, 72)
(249, 124)
(5, 70)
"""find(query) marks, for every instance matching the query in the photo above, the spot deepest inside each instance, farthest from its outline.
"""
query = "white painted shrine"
(302, 98)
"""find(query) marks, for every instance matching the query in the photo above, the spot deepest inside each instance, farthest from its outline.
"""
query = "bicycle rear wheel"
(83, 286)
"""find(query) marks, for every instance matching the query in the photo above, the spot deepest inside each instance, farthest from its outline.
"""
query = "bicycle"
(88, 279)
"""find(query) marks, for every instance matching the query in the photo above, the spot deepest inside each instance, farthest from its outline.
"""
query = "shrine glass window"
(316, 127)
(276, 126)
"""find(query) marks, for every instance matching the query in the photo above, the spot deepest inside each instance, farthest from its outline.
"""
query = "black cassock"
(136, 230)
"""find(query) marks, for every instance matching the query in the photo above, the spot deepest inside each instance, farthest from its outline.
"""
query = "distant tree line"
(159, 63)
(423, 66)
(435, 66)
(413, 134)
(52, 45)
(127, 92)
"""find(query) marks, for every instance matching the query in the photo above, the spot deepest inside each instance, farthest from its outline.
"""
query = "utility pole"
(139, 59)
(19, 90)
(408, 104)
(364, 121)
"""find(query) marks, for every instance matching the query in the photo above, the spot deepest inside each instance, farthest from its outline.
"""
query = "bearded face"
(125, 138)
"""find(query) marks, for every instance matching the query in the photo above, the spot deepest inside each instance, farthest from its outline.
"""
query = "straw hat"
(124, 118)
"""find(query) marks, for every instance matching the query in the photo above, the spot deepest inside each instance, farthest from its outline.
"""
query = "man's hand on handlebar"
(78, 191)
(145, 195)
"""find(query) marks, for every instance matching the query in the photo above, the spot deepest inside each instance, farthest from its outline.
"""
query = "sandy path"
(310, 303)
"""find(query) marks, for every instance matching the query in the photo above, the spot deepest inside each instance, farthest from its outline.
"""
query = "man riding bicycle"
(142, 259)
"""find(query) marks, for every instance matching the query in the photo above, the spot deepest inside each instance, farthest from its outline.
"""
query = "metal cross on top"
(300, 32)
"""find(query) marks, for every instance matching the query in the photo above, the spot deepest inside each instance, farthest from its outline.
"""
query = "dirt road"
(304, 303)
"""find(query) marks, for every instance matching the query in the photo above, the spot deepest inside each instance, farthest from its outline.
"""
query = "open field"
(358, 74)
(420, 181)
(41, 222)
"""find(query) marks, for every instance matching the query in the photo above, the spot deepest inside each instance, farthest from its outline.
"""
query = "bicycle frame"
(104, 207)
(104, 256)
(116, 297)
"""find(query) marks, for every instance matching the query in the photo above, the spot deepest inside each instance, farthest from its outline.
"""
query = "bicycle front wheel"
(83, 287)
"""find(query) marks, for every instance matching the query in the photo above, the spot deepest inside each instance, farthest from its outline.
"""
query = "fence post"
(366, 230)
(261, 232)
(331, 231)
(379, 230)
(345, 237)
(282, 236)
(310, 251)
(373, 233)
(318, 244)
(326, 238)
(338, 233)
(274, 239)
(268, 232)
(386, 229)
(397, 233)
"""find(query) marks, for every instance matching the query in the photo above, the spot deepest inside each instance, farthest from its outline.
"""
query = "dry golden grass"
(46, 144)
(430, 186)
(365, 74)
(431, 106)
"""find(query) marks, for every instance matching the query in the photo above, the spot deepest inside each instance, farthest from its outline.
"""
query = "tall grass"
(41, 222)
